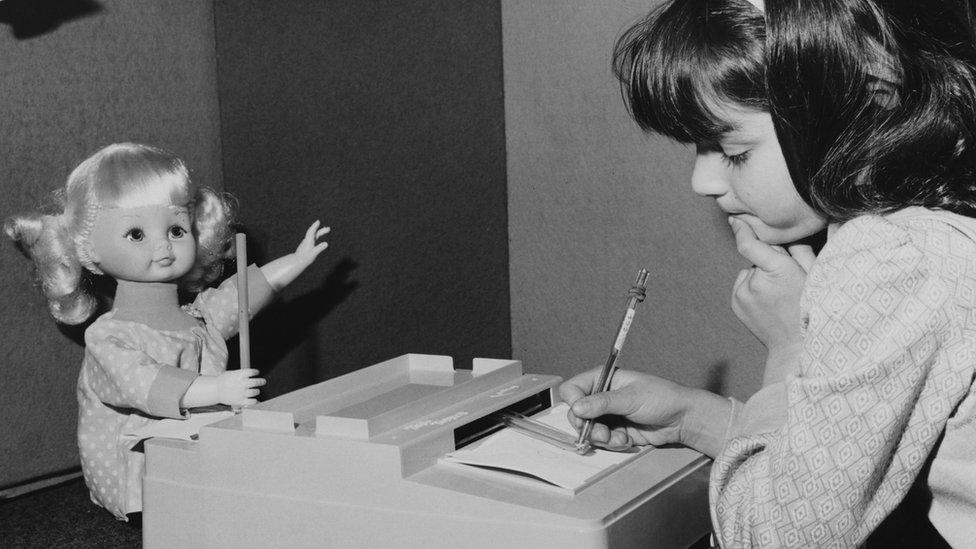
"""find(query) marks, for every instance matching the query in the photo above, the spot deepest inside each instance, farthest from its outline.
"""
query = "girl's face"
(744, 170)
(144, 244)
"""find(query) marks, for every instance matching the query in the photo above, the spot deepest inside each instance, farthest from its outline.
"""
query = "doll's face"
(144, 244)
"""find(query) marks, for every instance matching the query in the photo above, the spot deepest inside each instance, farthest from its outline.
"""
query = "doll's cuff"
(764, 412)
(167, 391)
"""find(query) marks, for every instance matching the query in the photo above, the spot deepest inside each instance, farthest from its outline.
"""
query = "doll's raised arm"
(282, 271)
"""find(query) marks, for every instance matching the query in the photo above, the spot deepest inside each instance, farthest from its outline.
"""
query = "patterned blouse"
(884, 383)
(133, 375)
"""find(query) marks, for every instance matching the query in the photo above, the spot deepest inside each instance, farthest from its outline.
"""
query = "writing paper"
(510, 450)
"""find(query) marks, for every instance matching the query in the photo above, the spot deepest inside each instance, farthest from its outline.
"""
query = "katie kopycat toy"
(132, 213)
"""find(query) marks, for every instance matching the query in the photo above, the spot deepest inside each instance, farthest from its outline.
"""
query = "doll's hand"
(234, 388)
(238, 387)
(309, 248)
(282, 271)
(766, 298)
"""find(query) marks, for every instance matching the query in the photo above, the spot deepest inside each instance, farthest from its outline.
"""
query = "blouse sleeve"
(219, 305)
(854, 432)
(121, 374)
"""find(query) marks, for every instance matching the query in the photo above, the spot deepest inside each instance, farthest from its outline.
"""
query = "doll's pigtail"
(44, 240)
(212, 217)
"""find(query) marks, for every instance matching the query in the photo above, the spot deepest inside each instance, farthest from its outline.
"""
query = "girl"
(858, 116)
(130, 212)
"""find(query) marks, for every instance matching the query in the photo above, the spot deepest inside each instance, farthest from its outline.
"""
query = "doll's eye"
(134, 235)
(177, 232)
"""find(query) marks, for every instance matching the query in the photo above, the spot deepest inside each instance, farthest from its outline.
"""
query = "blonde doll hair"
(122, 175)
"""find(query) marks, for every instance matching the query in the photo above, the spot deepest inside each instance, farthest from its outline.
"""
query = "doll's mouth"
(165, 262)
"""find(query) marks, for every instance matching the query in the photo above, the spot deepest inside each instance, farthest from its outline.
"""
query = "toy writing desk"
(353, 462)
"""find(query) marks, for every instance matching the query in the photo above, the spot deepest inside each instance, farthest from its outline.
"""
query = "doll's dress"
(133, 375)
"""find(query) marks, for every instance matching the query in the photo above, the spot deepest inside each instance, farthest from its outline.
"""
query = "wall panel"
(127, 70)
(591, 200)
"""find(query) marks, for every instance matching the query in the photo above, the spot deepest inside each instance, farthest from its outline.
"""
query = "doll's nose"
(164, 246)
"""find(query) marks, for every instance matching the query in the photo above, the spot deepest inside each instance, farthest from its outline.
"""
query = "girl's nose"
(708, 178)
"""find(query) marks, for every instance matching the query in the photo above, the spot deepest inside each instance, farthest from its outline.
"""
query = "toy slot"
(482, 427)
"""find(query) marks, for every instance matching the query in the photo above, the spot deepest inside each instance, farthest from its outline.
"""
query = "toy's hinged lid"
(408, 393)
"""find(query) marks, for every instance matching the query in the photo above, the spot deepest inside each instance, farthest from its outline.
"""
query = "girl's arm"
(866, 406)
(282, 271)
(766, 297)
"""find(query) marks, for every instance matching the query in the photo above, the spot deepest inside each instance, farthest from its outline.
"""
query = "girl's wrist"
(706, 421)
(780, 361)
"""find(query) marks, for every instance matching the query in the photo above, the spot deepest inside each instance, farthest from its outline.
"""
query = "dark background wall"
(385, 120)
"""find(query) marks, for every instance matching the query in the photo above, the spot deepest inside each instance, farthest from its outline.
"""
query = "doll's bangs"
(131, 176)
(684, 65)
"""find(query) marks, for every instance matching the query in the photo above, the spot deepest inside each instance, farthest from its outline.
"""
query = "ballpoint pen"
(637, 293)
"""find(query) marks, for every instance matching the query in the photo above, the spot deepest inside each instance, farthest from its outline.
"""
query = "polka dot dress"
(133, 375)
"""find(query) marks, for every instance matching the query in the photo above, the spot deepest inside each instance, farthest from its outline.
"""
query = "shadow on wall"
(30, 18)
(284, 325)
(717, 378)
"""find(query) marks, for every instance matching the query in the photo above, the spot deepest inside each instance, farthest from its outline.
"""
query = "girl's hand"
(650, 408)
(643, 409)
(766, 298)
(238, 387)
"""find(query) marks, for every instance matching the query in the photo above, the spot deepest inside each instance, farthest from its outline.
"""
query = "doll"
(131, 212)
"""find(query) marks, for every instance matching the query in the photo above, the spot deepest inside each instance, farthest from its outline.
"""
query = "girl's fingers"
(803, 254)
(761, 255)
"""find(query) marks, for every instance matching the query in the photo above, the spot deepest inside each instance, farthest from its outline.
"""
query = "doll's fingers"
(256, 382)
(310, 231)
(323, 231)
(251, 393)
(319, 248)
(249, 373)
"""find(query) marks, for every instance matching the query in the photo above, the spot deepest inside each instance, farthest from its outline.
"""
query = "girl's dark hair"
(874, 101)
(678, 65)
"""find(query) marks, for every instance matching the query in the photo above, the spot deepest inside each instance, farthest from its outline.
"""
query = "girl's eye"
(736, 160)
(134, 235)
(177, 232)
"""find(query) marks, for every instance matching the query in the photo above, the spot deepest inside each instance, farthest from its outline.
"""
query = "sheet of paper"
(177, 428)
(508, 449)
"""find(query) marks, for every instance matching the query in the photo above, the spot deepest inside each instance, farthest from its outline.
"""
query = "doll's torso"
(134, 374)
